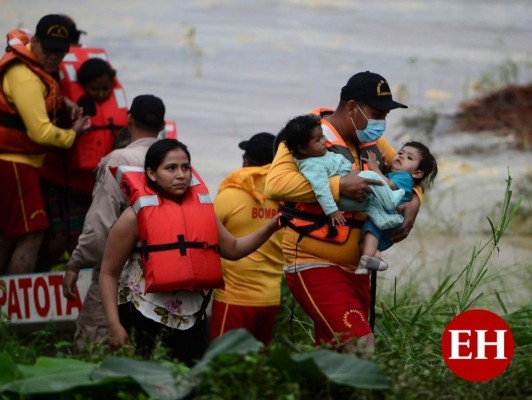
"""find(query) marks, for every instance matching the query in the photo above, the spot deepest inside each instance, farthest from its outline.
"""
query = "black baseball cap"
(54, 33)
(371, 89)
(75, 32)
(259, 147)
(148, 110)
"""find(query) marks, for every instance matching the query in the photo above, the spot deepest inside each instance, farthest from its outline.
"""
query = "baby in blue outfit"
(412, 165)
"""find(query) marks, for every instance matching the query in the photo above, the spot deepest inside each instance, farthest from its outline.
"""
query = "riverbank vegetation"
(407, 363)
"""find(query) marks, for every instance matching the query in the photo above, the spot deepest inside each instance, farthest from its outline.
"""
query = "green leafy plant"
(407, 365)
(230, 360)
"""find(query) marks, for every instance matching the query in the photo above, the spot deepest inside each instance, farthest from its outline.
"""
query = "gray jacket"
(108, 202)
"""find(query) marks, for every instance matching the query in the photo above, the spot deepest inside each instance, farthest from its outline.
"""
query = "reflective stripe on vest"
(109, 118)
(145, 201)
(122, 169)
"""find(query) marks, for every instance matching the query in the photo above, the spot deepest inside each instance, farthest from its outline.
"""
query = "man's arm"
(106, 206)
(285, 182)
(26, 91)
(409, 211)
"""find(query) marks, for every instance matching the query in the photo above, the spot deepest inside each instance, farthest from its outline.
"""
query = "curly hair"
(298, 130)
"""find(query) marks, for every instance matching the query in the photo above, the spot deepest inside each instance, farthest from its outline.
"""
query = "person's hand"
(75, 111)
(275, 224)
(337, 218)
(118, 336)
(82, 125)
(355, 187)
(371, 160)
(409, 211)
(69, 283)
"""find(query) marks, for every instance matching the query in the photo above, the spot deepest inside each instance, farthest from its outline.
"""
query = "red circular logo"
(477, 345)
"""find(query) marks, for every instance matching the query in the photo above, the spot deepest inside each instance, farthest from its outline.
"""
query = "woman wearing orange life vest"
(172, 316)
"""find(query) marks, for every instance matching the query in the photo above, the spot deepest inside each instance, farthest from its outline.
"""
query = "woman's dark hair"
(297, 131)
(94, 68)
(156, 154)
(427, 165)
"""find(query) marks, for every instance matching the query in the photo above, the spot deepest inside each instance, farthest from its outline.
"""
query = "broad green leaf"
(347, 370)
(238, 341)
(8, 369)
(52, 375)
(297, 370)
(341, 369)
(156, 380)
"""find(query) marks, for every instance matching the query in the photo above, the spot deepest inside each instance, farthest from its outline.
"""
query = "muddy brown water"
(227, 69)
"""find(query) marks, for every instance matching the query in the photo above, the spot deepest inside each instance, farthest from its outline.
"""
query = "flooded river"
(227, 69)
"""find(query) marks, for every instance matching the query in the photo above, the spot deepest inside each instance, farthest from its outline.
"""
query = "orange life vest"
(13, 134)
(110, 117)
(336, 143)
(308, 218)
(178, 242)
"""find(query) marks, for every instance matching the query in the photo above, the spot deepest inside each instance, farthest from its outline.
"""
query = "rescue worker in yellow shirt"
(30, 103)
(320, 271)
(252, 294)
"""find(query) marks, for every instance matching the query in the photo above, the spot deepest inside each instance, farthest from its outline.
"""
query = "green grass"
(410, 322)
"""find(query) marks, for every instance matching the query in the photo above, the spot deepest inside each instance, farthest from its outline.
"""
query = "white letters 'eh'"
(481, 344)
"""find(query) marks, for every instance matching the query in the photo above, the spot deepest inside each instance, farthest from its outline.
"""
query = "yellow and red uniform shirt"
(242, 208)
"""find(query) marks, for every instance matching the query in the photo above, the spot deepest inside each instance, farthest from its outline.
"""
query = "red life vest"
(13, 133)
(170, 130)
(179, 242)
(110, 117)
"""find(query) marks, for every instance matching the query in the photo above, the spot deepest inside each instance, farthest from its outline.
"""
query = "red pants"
(337, 301)
(21, 203)
(257, 320)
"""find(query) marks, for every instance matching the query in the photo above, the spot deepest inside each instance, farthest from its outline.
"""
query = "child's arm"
(316, 173)
(373, 165)
(285, 182)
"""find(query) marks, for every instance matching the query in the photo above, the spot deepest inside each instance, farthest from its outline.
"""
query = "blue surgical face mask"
(373, 131)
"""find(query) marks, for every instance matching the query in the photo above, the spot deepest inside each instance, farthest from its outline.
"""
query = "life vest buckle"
(207, 246)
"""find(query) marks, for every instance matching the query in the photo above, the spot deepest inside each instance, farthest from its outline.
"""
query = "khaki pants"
(91, 325)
